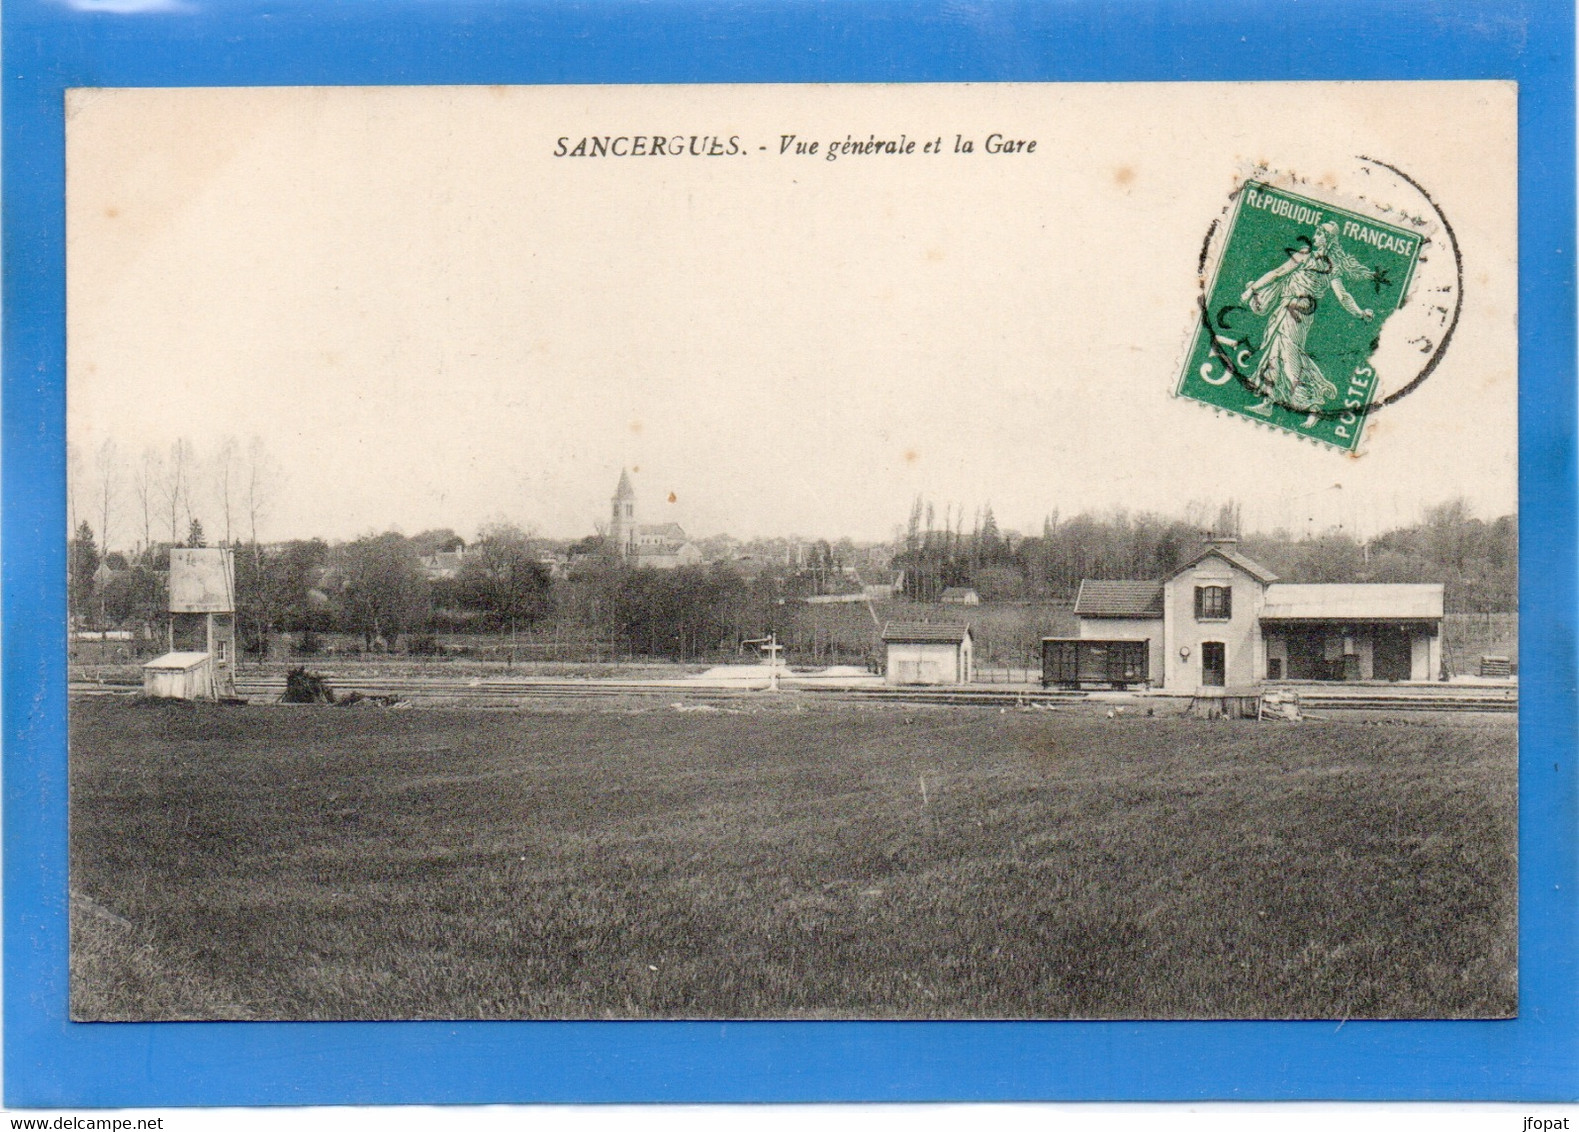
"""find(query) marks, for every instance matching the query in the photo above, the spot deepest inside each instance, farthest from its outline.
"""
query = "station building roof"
(1224, 549)
(1118, 599)
(1372, 601)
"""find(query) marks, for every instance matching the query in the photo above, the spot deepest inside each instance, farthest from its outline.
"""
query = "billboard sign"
(202, 580)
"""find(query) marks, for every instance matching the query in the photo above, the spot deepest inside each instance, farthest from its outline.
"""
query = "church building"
(661, 546)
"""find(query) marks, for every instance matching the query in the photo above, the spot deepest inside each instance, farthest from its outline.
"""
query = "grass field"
(819, 861)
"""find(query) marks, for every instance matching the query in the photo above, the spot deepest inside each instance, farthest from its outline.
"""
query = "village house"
(885, 591)
(444, 564)
(111, 569)
(1224, 620)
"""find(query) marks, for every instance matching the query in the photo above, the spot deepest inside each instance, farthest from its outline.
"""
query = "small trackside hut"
(179, 676)
(928, 653)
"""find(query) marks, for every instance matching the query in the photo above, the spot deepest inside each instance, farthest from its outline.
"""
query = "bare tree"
(108, 468)
(173, 487)
(261, 476)
(191, 480)
(73, 486)
(224, 482)
(145, 485)
(1228, 519)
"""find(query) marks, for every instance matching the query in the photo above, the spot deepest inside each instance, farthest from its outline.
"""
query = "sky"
(427, 319)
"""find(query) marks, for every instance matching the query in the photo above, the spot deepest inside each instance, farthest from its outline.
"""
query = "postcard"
(794, 552)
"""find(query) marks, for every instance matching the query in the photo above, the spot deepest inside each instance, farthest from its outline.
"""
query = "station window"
(1213, 603)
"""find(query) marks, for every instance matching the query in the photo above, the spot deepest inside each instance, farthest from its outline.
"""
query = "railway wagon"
(1073, 662)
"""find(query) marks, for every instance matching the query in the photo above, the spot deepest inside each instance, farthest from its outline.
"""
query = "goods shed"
(928, 653)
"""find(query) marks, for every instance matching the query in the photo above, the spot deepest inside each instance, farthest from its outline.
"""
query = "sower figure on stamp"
(1287, 375)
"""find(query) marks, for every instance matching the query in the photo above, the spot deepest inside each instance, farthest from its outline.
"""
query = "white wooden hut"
(928, 653)
(180, 676)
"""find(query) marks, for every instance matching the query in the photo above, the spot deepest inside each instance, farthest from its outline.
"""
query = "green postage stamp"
(1293, 314)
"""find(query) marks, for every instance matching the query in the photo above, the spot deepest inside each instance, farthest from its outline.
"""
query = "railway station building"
(1224, 620)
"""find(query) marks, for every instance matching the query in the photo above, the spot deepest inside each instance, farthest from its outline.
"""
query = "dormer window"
(1213, 603)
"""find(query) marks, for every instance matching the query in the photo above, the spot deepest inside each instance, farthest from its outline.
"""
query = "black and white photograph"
(777, 552)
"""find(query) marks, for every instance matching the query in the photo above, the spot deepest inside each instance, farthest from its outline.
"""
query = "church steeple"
(622, 518)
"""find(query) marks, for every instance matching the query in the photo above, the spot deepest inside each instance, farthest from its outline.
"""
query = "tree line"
(1476, 560)
(376, 589)
(142, 499)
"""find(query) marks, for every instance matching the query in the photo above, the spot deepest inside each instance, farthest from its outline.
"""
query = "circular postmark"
(1320, 303)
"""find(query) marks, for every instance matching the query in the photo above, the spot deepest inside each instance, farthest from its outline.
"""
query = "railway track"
(1384, 702)
(504, 693)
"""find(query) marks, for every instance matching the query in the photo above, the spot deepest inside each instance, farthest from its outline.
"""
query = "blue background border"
(49, 46)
